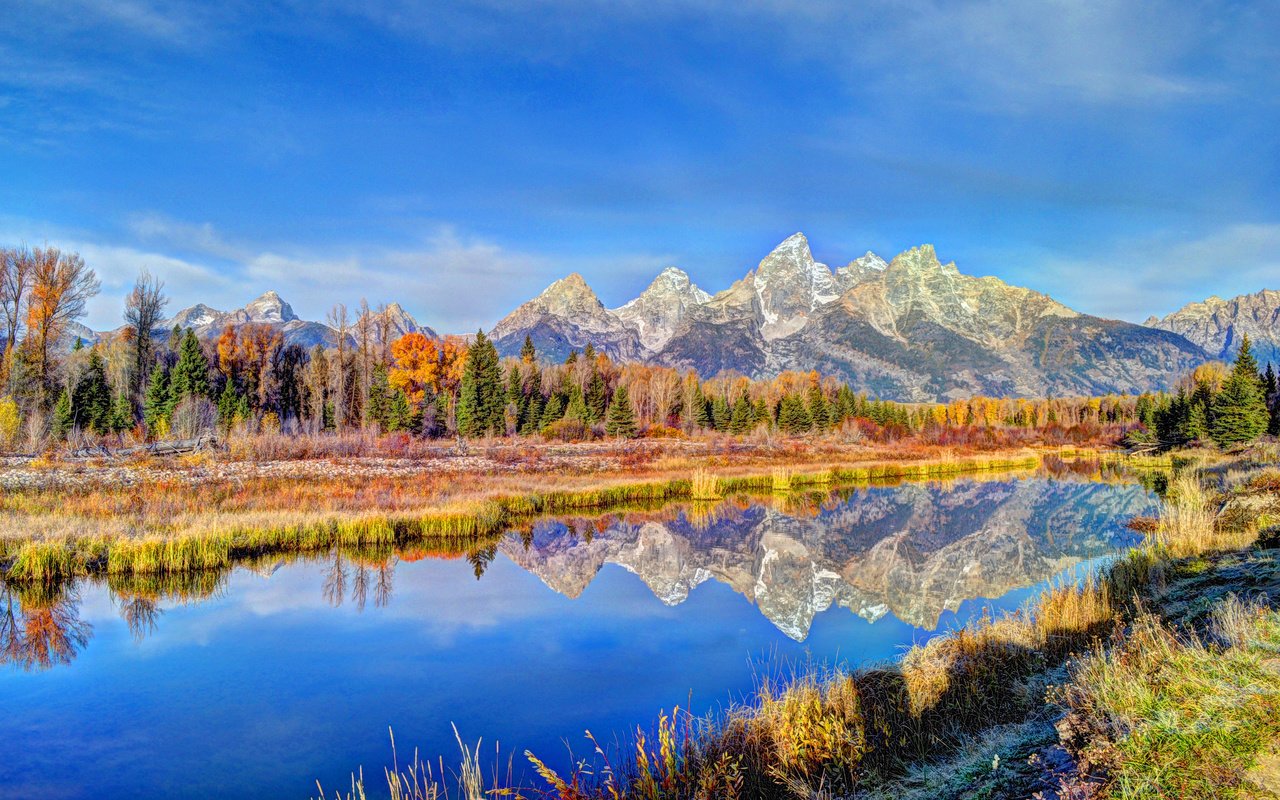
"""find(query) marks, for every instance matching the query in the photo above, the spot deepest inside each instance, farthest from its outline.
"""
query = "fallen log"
(173, 448)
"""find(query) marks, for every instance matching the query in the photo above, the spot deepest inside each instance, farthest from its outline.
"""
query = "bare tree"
(15, 276)
(341, 326)
(60, 286)
(364, 341)
(142, 310)
(382, 325)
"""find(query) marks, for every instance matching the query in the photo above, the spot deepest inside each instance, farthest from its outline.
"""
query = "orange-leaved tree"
(415, 366)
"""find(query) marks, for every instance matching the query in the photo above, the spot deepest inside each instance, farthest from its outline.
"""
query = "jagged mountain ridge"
(1219, 325)
(910, 329)
(913, 551)
(272, 310)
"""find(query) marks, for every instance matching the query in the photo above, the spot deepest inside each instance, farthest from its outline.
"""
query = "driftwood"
(206, 442)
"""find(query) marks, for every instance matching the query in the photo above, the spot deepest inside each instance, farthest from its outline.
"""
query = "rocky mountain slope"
(1218, 325)
(910, 329)
(913, 551)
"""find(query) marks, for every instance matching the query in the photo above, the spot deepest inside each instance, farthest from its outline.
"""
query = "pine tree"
(552, 413)
(379, 408)
(720, 413)
(159, 401)
(701, 413)
(1197, 425)
(91, 397)
(762, 413)
(597, 398)
(1239, 411)
(398, 416)
(793, 415)
(121, 413)
(63, 421)
(190, 376)
(622, 419)
(589, 352)
(482, 397)
(528, 353)
(819, 411)
(576, 408)
(533, 415)
(514, 387)
(743, 417)
(228, 405)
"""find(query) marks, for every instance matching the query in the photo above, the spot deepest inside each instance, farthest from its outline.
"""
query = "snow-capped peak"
(790, 285)
(270, 308)
(660, 308)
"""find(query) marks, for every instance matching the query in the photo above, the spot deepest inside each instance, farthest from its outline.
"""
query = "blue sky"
(1121, 156)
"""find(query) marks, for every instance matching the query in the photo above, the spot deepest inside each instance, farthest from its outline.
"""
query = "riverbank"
(61, 519)
(1157, 678)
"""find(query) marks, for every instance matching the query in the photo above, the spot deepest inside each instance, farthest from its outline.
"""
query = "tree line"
(144, 382)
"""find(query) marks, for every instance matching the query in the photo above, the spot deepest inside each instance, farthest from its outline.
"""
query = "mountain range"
(272, 311)
(912, 328)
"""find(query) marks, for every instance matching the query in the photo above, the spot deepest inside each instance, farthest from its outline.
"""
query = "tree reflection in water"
(40, 625)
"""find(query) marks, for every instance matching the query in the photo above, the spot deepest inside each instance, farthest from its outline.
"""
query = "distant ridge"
(1218, 325)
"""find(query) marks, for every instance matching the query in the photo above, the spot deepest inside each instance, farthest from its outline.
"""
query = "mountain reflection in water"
(913, 550)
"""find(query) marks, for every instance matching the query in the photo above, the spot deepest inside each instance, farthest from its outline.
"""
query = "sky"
(1122, 156)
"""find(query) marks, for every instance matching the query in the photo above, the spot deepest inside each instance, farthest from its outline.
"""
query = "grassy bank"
(1155, 679)
(53, 535)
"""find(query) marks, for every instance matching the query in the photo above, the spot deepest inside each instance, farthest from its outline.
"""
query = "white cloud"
(1136, 278)
(448, 280)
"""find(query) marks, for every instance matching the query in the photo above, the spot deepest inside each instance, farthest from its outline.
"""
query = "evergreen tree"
(91, 397)
(533, 415)
(1197, 425)
(597, 397)
(576, 408)
(159, 401)
(528, 353)
(761, 413)
(793, 415)
(743, 417)
(622, 419)
(515, 386)
(63, 421)
(589, 352)
(398, 415)
(228, 404)
(482, 397)
(190, 376)
(720, 413)
(379, 409)
(701, 414)
(819, 411)
(553, 412)
(121, 413)
(1239, 411)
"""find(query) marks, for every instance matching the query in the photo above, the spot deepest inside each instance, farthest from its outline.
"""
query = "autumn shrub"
(568, 430)
(193, 418)
(9, 423)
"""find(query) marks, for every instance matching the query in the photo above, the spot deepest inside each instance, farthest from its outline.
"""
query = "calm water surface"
(258, 682)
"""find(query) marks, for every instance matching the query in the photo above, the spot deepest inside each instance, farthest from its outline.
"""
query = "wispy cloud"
(449, 280)
(1135, 278)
